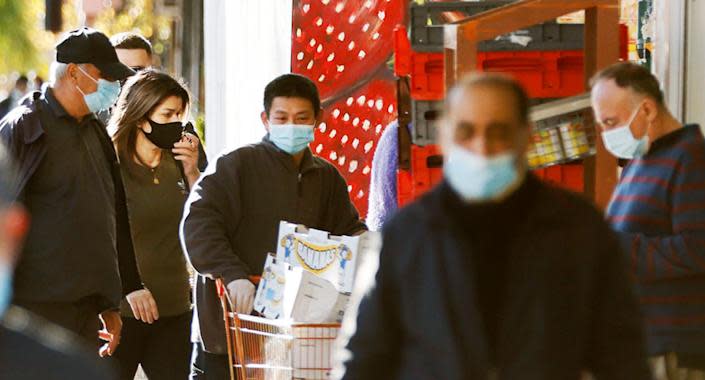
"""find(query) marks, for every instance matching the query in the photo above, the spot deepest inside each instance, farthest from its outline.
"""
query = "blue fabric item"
(476, 177)
(104, 97)
(622, 144)
(5, 286)
(291, 138)
(382, 202)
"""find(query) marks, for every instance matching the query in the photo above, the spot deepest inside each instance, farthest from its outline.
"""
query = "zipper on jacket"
(298, 186)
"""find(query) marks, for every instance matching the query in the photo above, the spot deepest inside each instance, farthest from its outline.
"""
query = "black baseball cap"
(86, 45)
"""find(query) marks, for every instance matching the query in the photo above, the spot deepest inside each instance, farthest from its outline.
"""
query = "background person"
(658, 211)
(133, 50)
(19, 90)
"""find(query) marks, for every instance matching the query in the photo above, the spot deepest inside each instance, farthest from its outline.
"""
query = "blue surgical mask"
(104, 97)
(478, 178)
(5, 286)
(291, 138)
(621, 142)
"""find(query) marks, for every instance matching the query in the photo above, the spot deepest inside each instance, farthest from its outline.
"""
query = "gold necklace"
(155, 178)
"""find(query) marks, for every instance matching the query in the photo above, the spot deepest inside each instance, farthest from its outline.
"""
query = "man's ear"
(72, 72)
(265, 120)
(652, 109)
(319, 116)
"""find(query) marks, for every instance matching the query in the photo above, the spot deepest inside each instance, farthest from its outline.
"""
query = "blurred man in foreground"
(495, 275)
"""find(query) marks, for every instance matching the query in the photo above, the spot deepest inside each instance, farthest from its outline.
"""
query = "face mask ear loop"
(631, 119)
(86, 74)
(648, 127)
(79, 90)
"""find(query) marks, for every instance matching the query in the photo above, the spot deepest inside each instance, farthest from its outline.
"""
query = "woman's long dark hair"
(140, 95)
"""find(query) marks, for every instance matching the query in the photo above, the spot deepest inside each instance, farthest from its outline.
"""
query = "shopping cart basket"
(264, 349)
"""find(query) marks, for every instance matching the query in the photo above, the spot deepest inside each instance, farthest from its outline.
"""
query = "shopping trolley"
(265, 349)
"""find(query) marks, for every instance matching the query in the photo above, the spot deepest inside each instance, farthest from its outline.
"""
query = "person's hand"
(242, 294)
(112, 326)
(186, 151)
(143, 305)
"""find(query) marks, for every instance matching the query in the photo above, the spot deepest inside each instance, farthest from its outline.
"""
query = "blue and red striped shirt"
(658, 209)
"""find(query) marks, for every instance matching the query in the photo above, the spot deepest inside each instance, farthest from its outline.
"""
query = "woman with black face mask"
(159, 161)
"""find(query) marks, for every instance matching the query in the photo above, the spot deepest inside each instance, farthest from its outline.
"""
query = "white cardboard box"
(290, 292)
(313, 352)
(333, 258)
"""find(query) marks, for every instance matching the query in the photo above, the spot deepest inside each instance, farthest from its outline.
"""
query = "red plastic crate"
(544, 74)
(566, 176)
(427, 82)
(623, 42)
(421, 177)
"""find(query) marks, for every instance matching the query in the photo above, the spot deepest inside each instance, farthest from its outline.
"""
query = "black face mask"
(165, 135)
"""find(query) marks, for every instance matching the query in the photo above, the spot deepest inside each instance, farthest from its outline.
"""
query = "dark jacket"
(233, 214)
(33, 348)
(568, 303)
(23, 134)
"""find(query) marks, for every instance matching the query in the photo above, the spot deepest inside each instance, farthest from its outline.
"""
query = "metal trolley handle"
(232, 327)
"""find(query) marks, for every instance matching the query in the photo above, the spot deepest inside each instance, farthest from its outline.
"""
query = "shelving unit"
(601, 48)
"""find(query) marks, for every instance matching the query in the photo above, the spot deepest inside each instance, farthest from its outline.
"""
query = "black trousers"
(162, 348)
(79, 317)
(207, 366)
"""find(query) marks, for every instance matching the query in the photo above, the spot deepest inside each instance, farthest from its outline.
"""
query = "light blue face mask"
(5, 287)
(478, 178)
(621, 142)
(104, 97)
(291, 138)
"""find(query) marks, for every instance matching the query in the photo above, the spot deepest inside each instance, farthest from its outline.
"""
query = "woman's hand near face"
(186, 151)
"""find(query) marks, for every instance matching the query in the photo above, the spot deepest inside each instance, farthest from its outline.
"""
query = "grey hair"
(57, 71)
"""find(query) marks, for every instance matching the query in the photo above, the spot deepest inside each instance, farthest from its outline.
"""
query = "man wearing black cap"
(78, 259)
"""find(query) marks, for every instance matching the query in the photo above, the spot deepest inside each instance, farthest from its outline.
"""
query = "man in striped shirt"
(658, 209)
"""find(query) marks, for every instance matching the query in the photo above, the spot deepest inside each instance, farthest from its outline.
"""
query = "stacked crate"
(547, 59)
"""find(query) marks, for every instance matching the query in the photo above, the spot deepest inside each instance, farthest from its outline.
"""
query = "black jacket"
(33, 348)
(23, 134)
(232, 217)
(569, 305)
